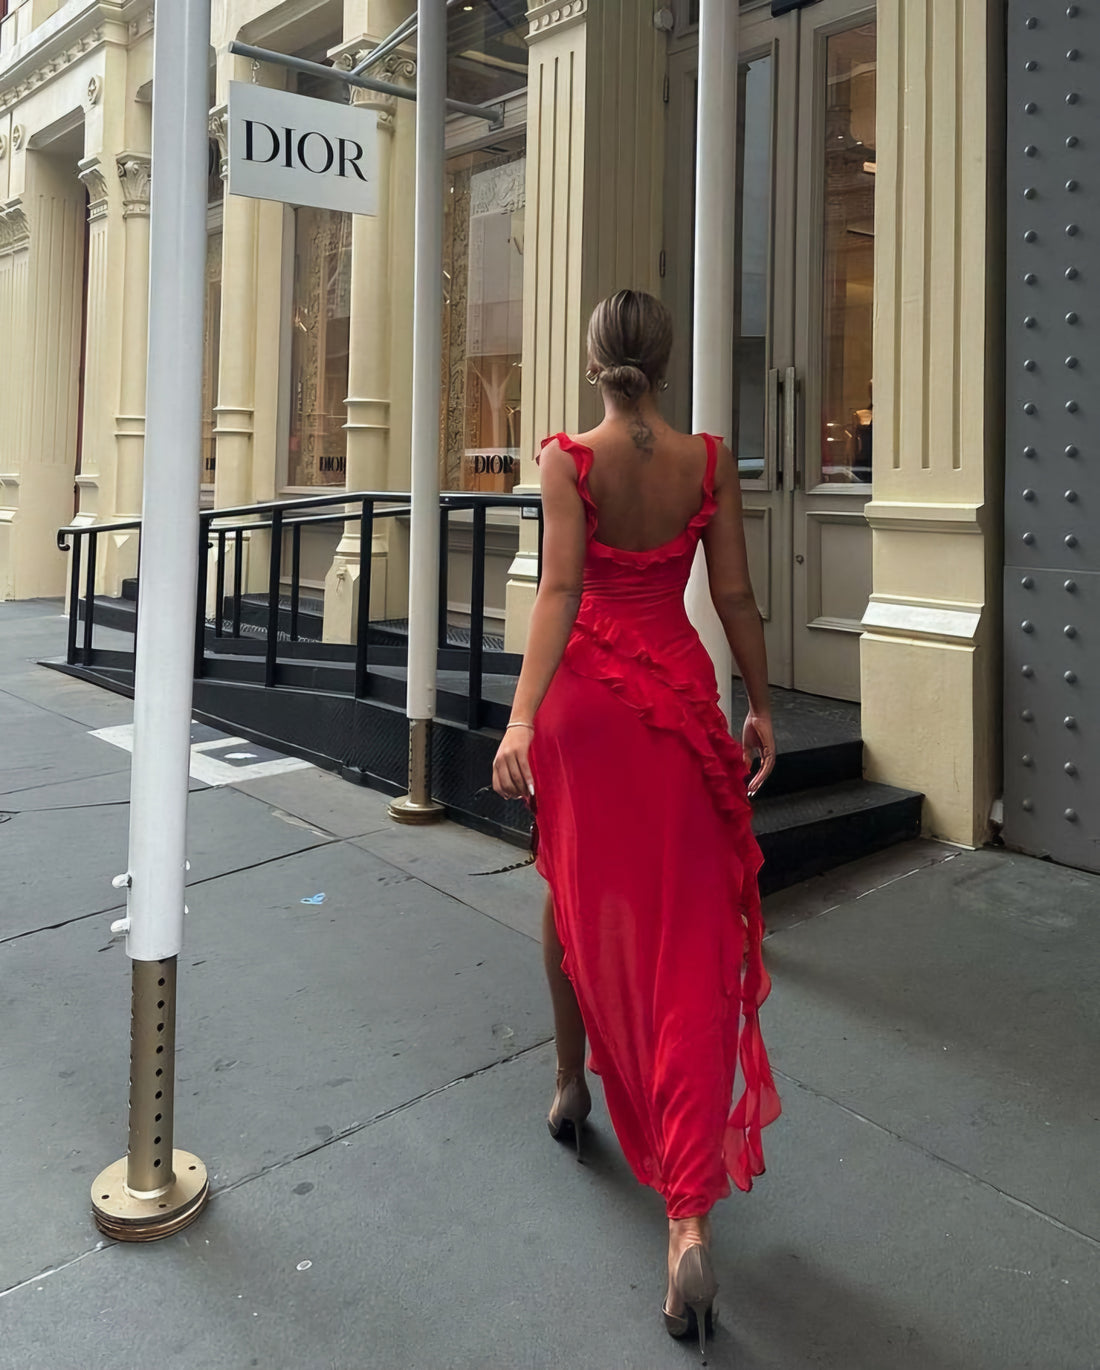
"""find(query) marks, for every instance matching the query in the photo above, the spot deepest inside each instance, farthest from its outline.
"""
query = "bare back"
(646, 491)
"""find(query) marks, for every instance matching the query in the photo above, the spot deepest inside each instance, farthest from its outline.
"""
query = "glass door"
(804, 244)
(764, 237)
(835, 256)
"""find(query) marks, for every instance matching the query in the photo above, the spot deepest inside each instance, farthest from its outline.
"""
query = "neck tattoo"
(641, 434)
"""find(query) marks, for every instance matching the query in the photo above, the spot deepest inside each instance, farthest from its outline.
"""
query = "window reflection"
(320, 323)
(486, 49)
(846, 398)
(483, 320)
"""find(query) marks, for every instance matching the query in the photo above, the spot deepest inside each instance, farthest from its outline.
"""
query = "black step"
(811, 831)
(112, 613)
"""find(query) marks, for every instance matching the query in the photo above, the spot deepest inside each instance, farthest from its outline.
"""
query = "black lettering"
(288, 148)
(509, 465)
(479, 465)
(353, 162)
(330, 153)
(496, 465)
(249, 124)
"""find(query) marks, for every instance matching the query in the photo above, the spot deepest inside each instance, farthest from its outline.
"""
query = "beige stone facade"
(584, 188)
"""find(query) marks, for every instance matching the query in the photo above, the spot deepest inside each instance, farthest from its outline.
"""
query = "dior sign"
(301, 151)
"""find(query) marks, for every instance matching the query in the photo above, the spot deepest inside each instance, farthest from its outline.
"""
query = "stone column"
(114, 369)
(595, 162)
(931, 646)
(234, 411)
(134, 171)
(41, 253)
(368, 399)
(246, 431)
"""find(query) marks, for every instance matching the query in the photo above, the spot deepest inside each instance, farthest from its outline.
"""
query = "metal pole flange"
(154, 1190)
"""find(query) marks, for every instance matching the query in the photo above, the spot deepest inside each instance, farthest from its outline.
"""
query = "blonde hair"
(630, 339)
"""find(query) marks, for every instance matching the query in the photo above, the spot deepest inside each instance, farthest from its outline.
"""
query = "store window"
(849, 261)
(320, 327)
(483, 254)
(483, 320)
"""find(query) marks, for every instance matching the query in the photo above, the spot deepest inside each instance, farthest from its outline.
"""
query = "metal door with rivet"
(1052, 486)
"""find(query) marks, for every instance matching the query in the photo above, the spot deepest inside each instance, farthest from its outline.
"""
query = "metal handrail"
(83, 528)
(224, 531)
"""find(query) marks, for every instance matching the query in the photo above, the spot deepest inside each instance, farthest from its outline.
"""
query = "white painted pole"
(155, 1189)
(431, 88)
(165, 651)
(716, 227)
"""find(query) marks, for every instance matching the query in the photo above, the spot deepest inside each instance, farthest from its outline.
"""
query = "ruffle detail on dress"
(602, 648)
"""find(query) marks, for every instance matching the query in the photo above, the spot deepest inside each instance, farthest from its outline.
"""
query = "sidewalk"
(366, 1078)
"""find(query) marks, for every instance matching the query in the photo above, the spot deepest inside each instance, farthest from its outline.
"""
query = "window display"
(846, 400)
(483, 321)
(320, 323)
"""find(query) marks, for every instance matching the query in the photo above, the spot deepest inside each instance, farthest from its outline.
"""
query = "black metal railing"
(258, 638)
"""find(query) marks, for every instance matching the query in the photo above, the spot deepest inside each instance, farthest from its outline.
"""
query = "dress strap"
(582, 460)
(709, 503)
(713, 445)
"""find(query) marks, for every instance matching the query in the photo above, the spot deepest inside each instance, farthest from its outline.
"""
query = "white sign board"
(302, 151)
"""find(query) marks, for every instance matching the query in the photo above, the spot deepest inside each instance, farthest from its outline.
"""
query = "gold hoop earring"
(662, 384)
(592, 376)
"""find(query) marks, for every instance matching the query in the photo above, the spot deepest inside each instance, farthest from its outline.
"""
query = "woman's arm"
(556, 605)
(731, 591)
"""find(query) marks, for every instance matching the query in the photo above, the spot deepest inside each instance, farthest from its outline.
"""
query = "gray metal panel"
(1052, 465)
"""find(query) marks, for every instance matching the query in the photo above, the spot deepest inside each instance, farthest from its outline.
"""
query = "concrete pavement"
(366, 1079)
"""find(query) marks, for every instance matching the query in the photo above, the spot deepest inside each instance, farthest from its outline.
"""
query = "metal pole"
(716, 224)
(156, 1190)
(431, 82)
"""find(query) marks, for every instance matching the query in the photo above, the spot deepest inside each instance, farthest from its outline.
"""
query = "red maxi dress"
(645, 841)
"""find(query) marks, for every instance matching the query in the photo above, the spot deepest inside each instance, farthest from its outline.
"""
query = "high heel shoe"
(695, 1283)
(571, 1107)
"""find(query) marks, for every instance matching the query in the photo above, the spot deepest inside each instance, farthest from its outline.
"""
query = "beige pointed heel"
(569, 1111)
(696, 1285)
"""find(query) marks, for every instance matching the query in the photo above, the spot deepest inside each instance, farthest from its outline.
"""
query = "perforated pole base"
(418, 806)
(128, 1218)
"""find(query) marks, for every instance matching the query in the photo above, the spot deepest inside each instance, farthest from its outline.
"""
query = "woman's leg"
(568, 1024)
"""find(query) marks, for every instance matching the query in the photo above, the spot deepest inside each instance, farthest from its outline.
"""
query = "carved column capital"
(94, 175)
(15, 231)
(134, 175)
(218, 128)
(398, 69)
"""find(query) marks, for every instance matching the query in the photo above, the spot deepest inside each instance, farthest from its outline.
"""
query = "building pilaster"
(933, 621)
(235, 408)
(41, 248)
(368, 400)
(589, 170)
(134, 175)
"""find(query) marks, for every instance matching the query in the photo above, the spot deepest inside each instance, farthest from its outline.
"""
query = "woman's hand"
(512, 777)
(758, 740)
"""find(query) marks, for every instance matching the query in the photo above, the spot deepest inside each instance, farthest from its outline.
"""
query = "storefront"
(868, 325)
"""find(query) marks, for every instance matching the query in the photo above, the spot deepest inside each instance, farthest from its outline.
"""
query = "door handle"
(790, 427)
(773, 452)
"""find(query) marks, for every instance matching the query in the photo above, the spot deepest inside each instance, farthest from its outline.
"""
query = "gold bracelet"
(519, 725)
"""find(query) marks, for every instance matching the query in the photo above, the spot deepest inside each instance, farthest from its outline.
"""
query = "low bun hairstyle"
(630, 340)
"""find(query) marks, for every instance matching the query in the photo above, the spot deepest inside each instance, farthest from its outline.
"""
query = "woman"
(652, 928)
